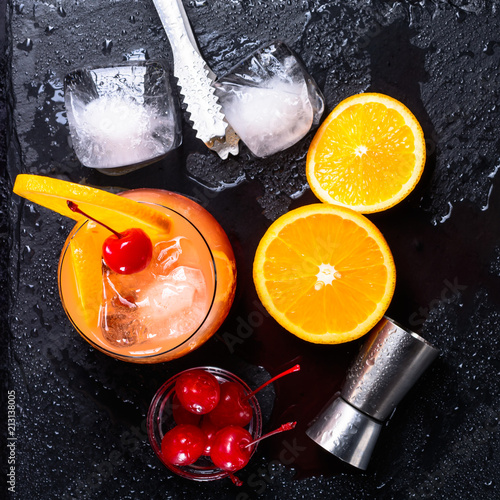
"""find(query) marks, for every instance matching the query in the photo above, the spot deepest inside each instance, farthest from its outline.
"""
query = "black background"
(80, 415)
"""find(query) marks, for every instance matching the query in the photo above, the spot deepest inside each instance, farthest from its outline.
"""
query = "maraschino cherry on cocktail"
(124, 253)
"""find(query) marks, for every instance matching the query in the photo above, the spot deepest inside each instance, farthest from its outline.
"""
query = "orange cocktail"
(163, 312)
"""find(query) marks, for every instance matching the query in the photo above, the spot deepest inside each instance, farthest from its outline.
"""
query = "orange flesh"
(324, 274)
(353, 257)
(367, 156)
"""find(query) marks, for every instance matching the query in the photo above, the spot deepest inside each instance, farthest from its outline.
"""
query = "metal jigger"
(388, 365)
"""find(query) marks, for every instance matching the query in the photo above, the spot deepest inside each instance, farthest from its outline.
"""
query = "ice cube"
(122, 115)
(114, 131)
(271, 118)
(165, 256)
(147, 306)
(270, 100)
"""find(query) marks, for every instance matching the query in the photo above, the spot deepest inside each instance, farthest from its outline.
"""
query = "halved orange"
(325, 273)
(367, 155)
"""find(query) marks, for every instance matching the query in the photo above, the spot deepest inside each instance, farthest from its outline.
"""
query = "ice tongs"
(196, 79)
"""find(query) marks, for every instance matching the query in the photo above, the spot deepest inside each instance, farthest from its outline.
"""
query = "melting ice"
(113, 131)
(165, 301)
(271, 118)
(119, 116)
(270, 100)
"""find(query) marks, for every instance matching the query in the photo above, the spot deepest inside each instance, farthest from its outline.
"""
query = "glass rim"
(110, 352)
(162, 396)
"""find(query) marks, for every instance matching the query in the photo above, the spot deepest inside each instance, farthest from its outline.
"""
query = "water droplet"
(27, 45)
(136, 55)
(489, 48)
(107, 45)
(461, 15)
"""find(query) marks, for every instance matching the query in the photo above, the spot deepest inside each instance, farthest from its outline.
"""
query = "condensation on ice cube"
(165, 301)
(122, 115)
(270, 100)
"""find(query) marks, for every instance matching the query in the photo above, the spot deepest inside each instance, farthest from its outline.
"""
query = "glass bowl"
(160, 420)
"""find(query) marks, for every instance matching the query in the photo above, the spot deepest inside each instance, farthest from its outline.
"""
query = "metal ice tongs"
(195, 79)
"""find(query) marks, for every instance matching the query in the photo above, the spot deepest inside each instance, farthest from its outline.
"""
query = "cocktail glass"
(127, 328)
(160, 420)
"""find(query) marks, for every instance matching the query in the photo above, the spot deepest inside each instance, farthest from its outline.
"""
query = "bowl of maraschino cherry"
(205, 423)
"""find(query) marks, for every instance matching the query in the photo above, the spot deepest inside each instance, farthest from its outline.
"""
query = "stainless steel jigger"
(388, 365)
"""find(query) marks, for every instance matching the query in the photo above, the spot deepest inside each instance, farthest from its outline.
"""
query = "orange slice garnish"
(86, 255)
(325, 273)
(367, 155)
(118, 212)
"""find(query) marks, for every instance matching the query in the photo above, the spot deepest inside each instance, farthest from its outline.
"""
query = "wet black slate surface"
(80, 415)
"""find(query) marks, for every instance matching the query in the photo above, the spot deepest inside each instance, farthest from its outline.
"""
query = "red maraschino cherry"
(233, 446)
(183, 416)
(198, 391)
(233, 407)
(124, 253)
(210, 431)
(229, 450)
(128, 252)
(183, 444)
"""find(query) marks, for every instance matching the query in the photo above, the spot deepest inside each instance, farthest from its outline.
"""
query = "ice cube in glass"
(121, 117)
(270, 100)
(163, 302)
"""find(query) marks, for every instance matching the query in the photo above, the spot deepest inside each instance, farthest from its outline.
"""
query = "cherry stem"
(74, 208)
(295, 368)
(285, 427)
(237, 481)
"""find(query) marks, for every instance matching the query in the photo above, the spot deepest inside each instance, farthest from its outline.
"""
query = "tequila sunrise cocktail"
(166, 310)
(154, 312)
